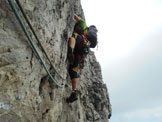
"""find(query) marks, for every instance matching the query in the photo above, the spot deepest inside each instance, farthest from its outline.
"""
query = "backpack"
(78, 29)
(91, 35)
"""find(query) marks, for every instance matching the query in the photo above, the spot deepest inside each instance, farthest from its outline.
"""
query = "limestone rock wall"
(26, 93)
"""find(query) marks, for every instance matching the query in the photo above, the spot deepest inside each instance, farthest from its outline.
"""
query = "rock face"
(26, 93)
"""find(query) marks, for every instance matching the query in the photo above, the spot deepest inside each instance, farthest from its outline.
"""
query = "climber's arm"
(80, 21)
(76, 17)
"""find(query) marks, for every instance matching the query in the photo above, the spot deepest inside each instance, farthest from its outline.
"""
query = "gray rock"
(26, 93)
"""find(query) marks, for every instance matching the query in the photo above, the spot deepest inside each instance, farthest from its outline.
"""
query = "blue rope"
(36, 37)
(31, 42)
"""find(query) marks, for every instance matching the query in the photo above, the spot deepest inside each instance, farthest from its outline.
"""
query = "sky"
(130, 54)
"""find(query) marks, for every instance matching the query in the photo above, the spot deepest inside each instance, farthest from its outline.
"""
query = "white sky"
(130, 54)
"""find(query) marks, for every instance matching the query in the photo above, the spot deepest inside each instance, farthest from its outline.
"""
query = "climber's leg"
(71, 47)
(72, 42)
(73, 72)
(74, 83)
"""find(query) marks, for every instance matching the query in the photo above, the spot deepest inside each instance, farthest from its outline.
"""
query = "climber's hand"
(76, 17)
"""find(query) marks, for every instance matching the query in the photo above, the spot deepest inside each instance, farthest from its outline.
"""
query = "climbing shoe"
(70, 55)
(73, 97)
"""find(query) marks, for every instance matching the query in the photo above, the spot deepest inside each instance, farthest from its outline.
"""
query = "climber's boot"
(70, 55)
(73, 97)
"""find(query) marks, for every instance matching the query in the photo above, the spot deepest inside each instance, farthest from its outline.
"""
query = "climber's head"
(92, 36)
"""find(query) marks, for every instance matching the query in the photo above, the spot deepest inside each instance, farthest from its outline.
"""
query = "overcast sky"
(130, 54)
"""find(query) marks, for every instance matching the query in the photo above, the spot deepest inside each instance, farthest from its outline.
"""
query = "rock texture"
(26, 93)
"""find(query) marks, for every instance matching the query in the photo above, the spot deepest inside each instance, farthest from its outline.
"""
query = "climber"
(82, 39)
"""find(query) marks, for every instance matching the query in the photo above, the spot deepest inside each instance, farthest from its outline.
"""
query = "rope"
(36, 37)
(31, 42)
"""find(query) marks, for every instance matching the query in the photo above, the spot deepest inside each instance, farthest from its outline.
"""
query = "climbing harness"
(31, 42)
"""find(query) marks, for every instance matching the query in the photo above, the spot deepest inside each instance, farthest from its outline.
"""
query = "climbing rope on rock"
(31, 42)
(36, 37)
